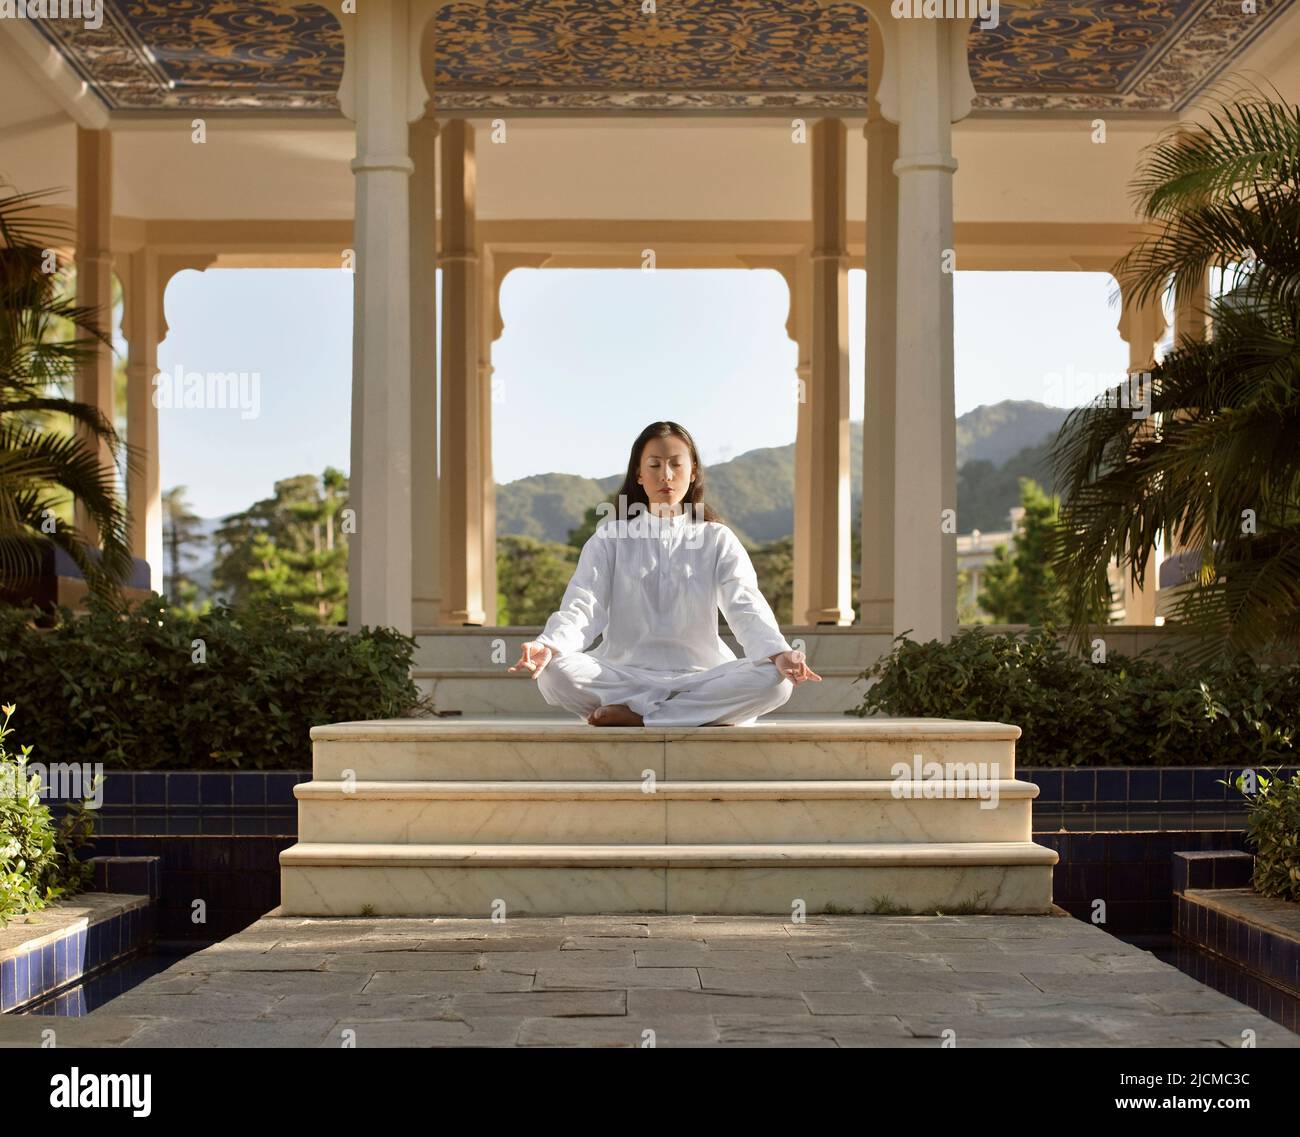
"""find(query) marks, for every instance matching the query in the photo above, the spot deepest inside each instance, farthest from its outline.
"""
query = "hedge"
(163, 687)
(1125, 711)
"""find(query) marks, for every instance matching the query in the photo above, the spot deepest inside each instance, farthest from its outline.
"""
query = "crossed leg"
(732, 693)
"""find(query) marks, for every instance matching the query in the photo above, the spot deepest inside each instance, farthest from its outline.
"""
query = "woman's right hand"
(533, 657)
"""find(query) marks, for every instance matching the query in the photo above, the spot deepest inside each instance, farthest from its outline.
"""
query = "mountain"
(1000, 432)
(547, 506)
(986, 493)
(754, 492)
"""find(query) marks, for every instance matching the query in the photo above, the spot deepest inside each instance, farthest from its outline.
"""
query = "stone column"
(142, 321)
(94, 286)
(800, 328)
(1191, 325)
(924, 89)
(829, 600)
(425, 582)
(1142, 327)
(487, 487)
(461, 496)
(494, 267)
(1192, 310)
(1191, 295)
(878, 422)
(382, 92)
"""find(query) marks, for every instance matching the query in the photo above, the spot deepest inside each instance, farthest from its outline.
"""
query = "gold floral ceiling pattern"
(1060, 55)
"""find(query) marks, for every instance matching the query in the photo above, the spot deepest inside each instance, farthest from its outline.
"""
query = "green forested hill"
(754, 492)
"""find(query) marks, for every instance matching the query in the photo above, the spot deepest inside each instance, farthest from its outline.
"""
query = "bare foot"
(616, 714)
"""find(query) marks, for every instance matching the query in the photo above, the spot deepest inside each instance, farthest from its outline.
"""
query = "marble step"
(528, 748)
(327, 879)
(666, 812)
(494, 690)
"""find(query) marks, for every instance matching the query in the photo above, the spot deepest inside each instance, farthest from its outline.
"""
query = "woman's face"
(665, 473)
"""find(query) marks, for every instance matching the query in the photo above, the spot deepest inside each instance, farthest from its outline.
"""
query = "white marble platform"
(661, 812)
(773, 880)
(561, 748)
(545, 815)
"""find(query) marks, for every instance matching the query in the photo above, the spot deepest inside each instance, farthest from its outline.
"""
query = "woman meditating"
(652, 580)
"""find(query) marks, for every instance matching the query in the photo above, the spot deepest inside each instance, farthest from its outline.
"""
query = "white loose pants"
(733, 693)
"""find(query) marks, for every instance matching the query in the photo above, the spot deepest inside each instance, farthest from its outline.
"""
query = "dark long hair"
(635, 491)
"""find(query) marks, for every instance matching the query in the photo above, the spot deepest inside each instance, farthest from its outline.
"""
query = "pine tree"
(1020, 586)
(290, 548)
(181, 535)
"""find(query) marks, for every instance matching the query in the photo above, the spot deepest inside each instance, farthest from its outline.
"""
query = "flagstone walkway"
(890, 981)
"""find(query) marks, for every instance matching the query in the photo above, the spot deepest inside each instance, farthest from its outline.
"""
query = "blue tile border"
(1224, 868)
(179, 802)
(1137, 786)
(150, 789)
(216, 789)
(140, 875)
(235, 803)
(237, 876)
(1177, 785)
(1270, 954)
(31, 972)
(182, 789)
(1136, 873)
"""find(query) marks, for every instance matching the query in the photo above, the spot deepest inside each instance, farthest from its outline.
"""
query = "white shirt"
(653, 585)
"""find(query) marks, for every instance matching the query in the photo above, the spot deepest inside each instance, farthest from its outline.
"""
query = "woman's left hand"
(794, 666)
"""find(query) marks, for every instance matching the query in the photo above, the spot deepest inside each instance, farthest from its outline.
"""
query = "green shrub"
(37, 859)
(1273, 828)
(162, 687)
(1072, 712)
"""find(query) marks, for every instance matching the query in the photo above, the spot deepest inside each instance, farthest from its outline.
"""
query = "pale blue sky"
(587, 358)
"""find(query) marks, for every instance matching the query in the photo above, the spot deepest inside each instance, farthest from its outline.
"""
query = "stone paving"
(879, 981)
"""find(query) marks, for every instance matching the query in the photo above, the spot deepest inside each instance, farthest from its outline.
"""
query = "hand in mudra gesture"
(794, 666)
(533, 657)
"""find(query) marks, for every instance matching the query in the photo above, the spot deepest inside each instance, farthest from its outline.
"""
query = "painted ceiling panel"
(1065, 55)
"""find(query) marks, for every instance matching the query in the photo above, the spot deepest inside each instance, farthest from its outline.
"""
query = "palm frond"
(22, 227)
